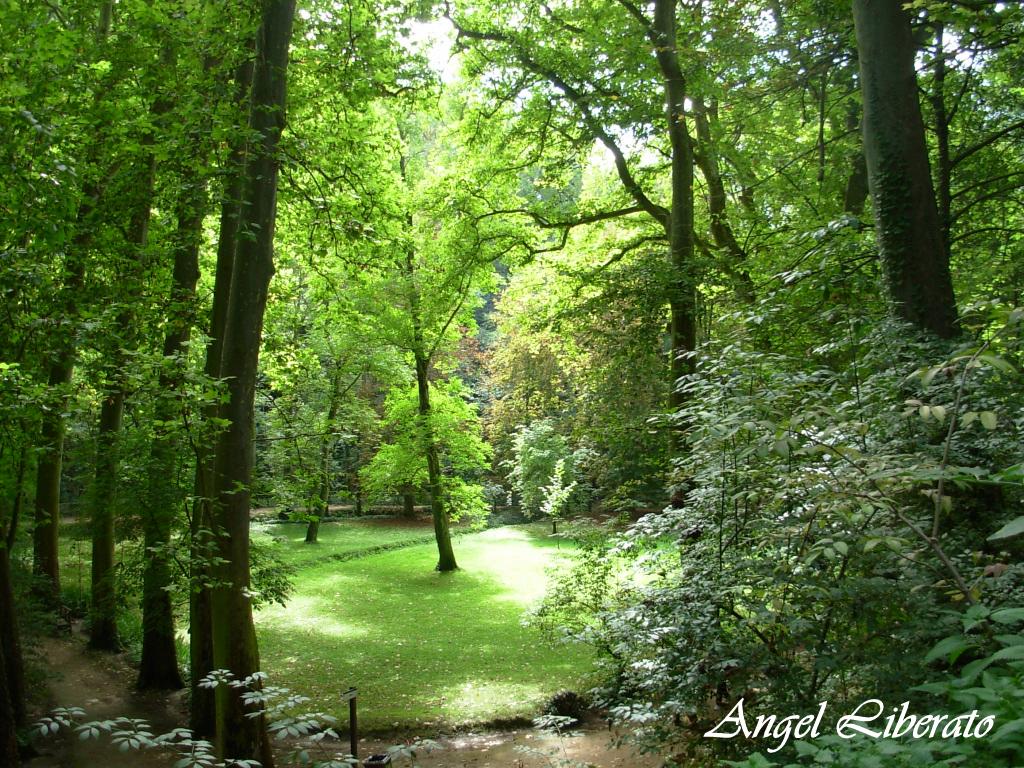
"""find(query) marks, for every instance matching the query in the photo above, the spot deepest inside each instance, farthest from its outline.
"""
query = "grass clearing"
(337, 540)
(423, 648)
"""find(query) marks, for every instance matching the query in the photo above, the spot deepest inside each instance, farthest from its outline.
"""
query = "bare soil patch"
(104, 686)
(524, 748)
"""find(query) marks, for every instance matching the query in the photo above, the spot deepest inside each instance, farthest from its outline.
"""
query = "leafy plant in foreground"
(828, 532)
(314, 731)
(992, 684)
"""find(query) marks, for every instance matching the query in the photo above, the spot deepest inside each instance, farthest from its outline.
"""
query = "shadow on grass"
(422, 647)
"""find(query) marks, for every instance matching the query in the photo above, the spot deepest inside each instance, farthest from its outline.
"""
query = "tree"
(422, 356)
(8, 720)
(435, 264)
(538, 461)
(231, 626)
(62, 355)
(140, 177)
(618, 208)
(12, 670)
(22, 400)
(315, 362)
(202, 711)
(583, 89)
(914, 257)
(454, 429)
(190, 157)
(158, 666)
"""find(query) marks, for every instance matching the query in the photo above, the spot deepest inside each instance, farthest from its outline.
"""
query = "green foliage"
(801, 564)
(538, 462)
(400, 465)
(838, 483)
(557, 494)
(314, 735)
(990, 685)
(580, 595)
(561, 356)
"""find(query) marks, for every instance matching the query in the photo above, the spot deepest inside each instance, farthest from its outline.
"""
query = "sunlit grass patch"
(423, 647)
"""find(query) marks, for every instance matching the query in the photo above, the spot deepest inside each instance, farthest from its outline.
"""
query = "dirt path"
(103, 685)
(523, 749)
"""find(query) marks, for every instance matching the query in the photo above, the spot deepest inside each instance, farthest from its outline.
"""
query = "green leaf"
(1012, 474)
(950, 648)
(1010, 530)
(989, 420)
(970, 673)
(996, 362)
(1013, 653)
(1008, 615)
(930, 374)
(1008, 729)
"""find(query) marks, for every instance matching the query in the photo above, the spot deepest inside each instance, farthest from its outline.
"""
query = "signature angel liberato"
(868, 719)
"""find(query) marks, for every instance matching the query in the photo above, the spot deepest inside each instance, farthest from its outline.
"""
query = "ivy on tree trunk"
(915, 263)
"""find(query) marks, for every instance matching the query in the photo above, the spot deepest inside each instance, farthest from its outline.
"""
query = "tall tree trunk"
(233, 631)
(914, 260)
(12, 667)
(326, 451)
(103, 634)
(18, 504)
(734, 262)
(442, 534)
(45, 558)
(683, 282)
(202, 709)
(10, 641)
(855, 194)
(8, 724)
(158, 667)
(944, 170)
(45, 531)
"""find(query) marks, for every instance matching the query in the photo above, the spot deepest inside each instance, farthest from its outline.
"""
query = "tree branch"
(541, 221)
(580, 101)
(990, 139)
(982, 199)
(992, 180)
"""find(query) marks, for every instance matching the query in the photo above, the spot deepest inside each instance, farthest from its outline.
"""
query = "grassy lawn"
(422, 647)
(339, 539)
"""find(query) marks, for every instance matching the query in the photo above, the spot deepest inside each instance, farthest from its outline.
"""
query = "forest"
(631, 382)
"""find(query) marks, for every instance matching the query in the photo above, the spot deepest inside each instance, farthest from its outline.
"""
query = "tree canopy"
(733, 286)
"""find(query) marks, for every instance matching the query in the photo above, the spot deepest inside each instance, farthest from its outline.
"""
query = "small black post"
(353, 724)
